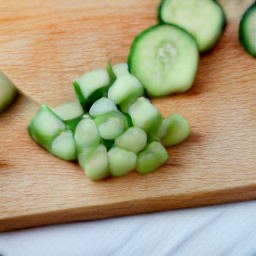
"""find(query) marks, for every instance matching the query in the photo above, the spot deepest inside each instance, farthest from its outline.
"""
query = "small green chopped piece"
(125, 90)
(110, 125)
(86, 134)
(94, 162)
(92, 86)
(71, 113)
(102, 106)
(151, 158)
(134, 139)
(45, 127)
(146, 116)
(174, 130)
(121, 161)
(64, 146)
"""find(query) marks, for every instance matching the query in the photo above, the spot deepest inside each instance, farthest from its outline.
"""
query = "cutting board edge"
(230, 195)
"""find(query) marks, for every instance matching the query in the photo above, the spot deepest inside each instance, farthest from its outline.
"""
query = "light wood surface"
(46, 44)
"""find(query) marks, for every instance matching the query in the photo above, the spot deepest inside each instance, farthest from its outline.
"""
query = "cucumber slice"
(92, 86)
(146, 116)
(86, 135)
(110, 125)
(174, 130)
(121, 69)
(164, 58)
(64, 146)
(204, 19)
(125, 90)
(71, 113)
(151, 158)
(121, 161)
(134, 139)
(8, 92)
(45, 127)
(101, 107)
(94, 161)
(247, 30)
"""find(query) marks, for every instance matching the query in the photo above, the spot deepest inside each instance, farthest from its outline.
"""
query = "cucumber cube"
(174, 130)
(121, 161)
(64, 146)
(151, 158)
(45, 127)
(134, 139)
(146, 116)
(125, 90)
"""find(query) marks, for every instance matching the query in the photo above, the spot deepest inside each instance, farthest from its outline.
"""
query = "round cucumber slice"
(247, 30)
(204, 19)
(164, 58)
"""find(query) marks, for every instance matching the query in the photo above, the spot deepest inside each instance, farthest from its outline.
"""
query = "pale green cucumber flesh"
(151, 158)
(134, 140)
(146, 116)
(69, 110)
(120, 69)
(102, 106)
(125, 90)
(121, 161)
(64, 146)
(86, 134)
(96, 164)
(110, 125)
(174, 130)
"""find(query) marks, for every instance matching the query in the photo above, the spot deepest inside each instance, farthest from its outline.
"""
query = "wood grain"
(46, 44)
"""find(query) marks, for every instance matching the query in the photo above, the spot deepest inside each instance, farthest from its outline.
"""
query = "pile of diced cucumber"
(112, 129)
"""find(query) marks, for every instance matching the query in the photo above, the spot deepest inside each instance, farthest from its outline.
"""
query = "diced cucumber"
(94, 162)
(102, 106)
(92, 86)
(146, 116)
(8, 92)
(120, 69)
(71, 113)
(64, 146)
(121, 161)
(86, 134)
(110, 125)
(151, 158)
(134, 139)
(45, 127)
(125, 90)
(247, 30)
(204, 19)
(164, 58)
(174, 130)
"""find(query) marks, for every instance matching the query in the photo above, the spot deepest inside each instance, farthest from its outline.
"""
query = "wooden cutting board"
(46, 44)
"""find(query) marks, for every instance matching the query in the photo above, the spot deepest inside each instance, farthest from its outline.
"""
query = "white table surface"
(211, 231)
